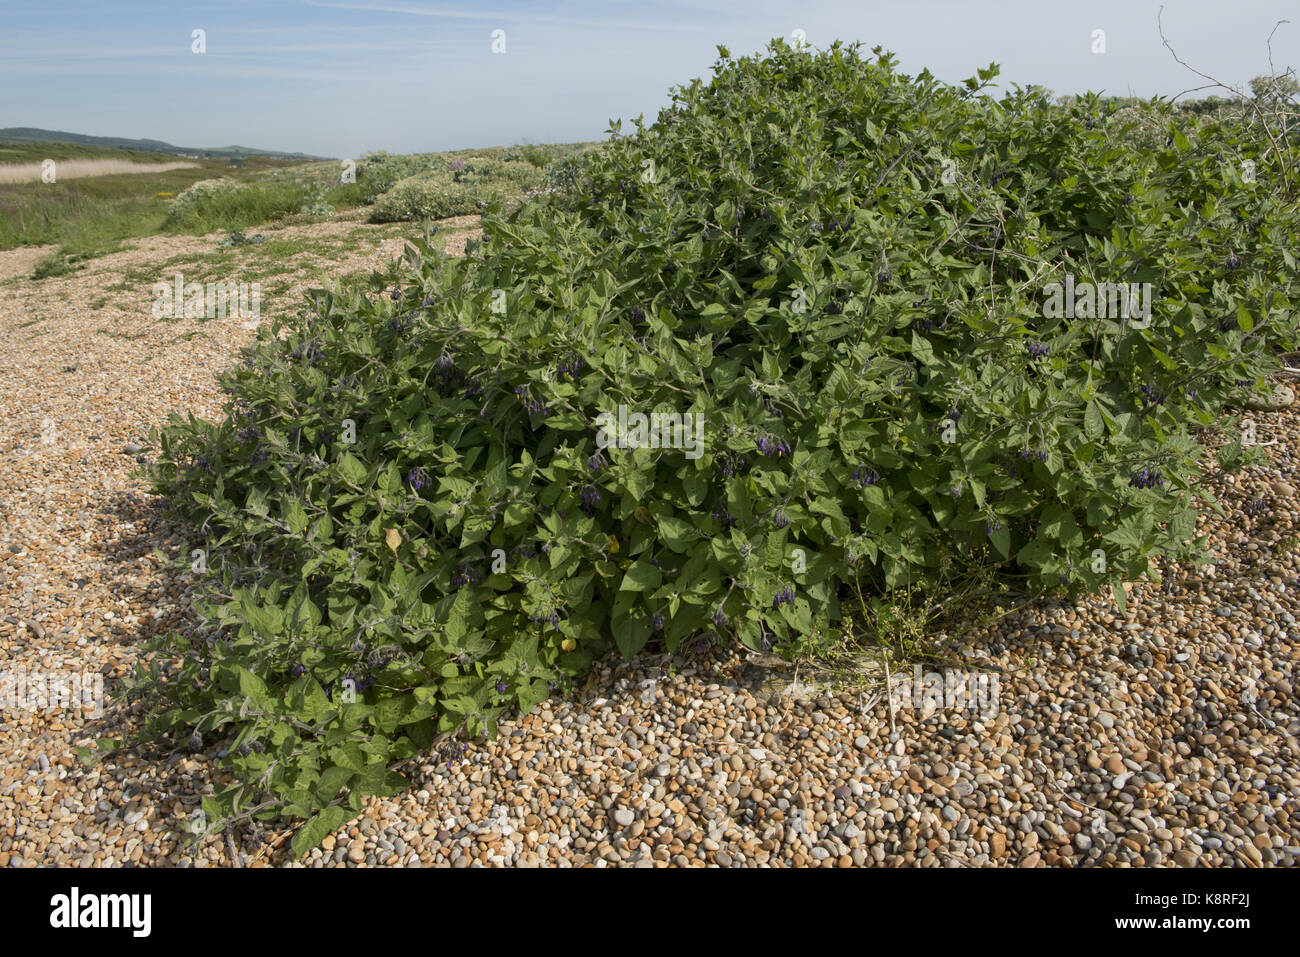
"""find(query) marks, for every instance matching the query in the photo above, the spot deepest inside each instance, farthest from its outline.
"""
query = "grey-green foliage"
(844, 271)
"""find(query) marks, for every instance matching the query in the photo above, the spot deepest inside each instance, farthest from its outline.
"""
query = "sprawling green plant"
(408, 520)
(458, 187)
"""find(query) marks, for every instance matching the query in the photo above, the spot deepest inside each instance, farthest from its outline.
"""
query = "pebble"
(1137, 719)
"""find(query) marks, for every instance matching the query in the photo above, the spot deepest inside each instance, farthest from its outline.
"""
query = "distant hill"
(26, 134)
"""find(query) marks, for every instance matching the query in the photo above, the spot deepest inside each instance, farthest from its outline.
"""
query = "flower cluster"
(570, 368)
(1033, 454)
(1038, 350)
(723, 516)
(780, 519)
(1147, 478)
(453, 752)
(547, 616)
(523, 550)
(361, 684)
(524, 395)
(309, 351)
(597, 462)
(418, 479)
(865, 475)
(591, 496)
(770, 445)
(720, 618)
(1153, 396)
(731, 464)
(636, 314)
(466, 574)
(785, 596)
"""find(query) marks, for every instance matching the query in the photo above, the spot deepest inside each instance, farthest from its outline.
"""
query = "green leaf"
(318, 828)
(642, 576)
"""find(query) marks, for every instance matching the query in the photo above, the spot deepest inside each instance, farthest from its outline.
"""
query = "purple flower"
(780, 519)
(1153, 396)
(418, 478)
(524, 394)
(1038, 350)
(570, 368)
(502, 687)
(547, 617)
(523, 550)
(720, 618)
(466, 574)
(732, 463)
(297, 671)
(597, 462)
(1147, 478)
(783, 597)
(723, 516)
(770, 445)
(865, 475)
(591, 495)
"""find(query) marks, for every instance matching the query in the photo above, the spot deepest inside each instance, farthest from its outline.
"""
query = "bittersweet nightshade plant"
(706, 289)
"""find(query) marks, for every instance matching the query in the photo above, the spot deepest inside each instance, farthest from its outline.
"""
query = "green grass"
(251, 204)
(94, 213)
(93, 216)
(15, 152)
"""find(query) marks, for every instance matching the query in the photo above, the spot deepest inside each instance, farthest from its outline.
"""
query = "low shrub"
(223, 204)
(460, 187)
(834, 279)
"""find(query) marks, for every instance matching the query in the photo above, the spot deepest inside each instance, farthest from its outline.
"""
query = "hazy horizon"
(343, 78)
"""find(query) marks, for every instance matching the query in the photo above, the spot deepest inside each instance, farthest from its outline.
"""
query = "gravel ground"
(1165, 736)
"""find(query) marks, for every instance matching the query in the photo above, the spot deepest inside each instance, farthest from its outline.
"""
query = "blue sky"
(341, 77)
